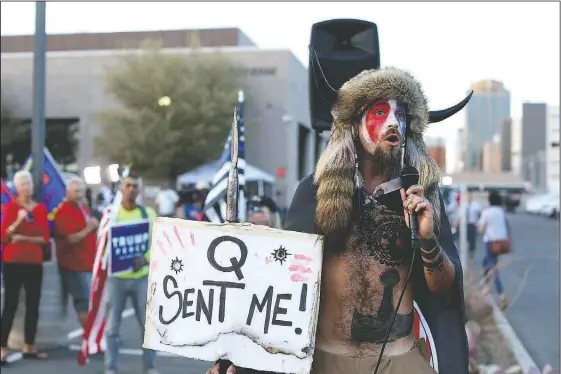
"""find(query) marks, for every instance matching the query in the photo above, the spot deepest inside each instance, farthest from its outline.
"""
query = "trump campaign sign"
(128, 241)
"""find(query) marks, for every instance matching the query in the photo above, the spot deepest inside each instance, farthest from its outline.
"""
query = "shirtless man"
(367, 243)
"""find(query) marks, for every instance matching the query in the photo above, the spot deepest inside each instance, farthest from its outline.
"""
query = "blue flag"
(54, 188)
(6, 196)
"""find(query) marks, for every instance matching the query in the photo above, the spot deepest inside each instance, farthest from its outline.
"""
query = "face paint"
(379, 117)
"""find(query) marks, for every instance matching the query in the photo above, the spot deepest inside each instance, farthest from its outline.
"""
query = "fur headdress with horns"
(335, 170)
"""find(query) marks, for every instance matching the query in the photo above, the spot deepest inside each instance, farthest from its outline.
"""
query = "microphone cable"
(415, 246)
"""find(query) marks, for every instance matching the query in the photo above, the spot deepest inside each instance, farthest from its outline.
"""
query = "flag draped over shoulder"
(93, 338)
(215, 203)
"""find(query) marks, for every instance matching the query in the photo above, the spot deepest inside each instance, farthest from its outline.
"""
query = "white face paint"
(380, 118)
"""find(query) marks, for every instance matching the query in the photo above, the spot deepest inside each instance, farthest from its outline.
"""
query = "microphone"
(409, 177)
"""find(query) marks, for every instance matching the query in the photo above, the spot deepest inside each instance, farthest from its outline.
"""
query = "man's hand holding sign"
(249, 294)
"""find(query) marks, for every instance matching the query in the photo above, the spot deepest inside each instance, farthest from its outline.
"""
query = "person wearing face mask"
(75, 242)
(263, 211)
(25, 230)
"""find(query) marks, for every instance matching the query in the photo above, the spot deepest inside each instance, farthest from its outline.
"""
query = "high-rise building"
(492, 155)
(460, 151)
(437, 151)
(506, 145)
(552, 149)
(534, 118)
(516, 146)
(486, 111)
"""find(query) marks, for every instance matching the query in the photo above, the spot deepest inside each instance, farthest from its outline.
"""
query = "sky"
(446, 46)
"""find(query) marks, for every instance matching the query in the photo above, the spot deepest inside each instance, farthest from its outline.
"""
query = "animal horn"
(441, 115)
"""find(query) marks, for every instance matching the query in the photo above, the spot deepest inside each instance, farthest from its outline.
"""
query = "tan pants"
(416, 361)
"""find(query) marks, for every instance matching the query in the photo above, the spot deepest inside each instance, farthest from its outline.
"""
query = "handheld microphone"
(409, 177)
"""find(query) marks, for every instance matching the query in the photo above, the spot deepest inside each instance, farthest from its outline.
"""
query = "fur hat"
(334, 174)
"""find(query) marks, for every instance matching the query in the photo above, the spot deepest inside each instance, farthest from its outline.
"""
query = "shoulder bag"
(502, 247)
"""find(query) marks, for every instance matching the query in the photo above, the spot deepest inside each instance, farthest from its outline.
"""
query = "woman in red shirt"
(25, 230)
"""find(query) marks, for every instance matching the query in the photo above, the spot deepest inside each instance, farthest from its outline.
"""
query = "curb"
(520, 353)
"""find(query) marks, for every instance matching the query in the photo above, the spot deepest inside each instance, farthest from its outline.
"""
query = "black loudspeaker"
(339, 50)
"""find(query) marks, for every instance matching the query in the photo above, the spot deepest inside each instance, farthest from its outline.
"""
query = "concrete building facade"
(486, 111)
(552, 149)
(492, 151)
(534, 125)
(516, 146)
(437, 150)
(506, 145)
(277, 101)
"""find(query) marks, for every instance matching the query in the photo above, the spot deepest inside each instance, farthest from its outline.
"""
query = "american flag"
(93, 338)
(421, 330)
(215, 202)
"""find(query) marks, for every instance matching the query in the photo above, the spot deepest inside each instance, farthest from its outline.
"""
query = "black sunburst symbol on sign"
(177, 265)
(281, 254)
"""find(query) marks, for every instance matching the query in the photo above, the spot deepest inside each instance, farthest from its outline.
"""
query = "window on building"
(555, 144)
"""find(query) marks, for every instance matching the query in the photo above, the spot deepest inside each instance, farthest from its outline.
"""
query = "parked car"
(535, 204)
(550, 206)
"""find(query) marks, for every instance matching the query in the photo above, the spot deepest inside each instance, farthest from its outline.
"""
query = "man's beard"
(386, 163)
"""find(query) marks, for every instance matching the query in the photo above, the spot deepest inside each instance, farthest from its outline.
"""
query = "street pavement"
(534, 313)
(531, 281)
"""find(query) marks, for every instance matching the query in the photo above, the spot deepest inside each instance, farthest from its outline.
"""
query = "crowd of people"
(26, 237)
(358, 199)
(490, 224)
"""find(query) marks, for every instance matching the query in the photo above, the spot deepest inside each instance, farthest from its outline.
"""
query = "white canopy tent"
(206, 172)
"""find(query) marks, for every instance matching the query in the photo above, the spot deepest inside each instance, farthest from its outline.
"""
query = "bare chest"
(361, 286)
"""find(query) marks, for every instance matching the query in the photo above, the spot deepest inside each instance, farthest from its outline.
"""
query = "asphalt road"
(531, 280)
(534, 313)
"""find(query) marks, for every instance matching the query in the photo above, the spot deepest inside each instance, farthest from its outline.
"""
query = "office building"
(516, 146)
(460, 151)
(506, 145)
(534, 118)
(281, 141)
(487, 110)
(492, 163)
(552, 149)
(437, 150)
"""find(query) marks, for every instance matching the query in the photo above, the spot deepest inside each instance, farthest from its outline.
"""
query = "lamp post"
(38, 121)
(10, 166)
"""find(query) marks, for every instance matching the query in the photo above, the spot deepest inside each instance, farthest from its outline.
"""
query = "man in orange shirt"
(75, 246)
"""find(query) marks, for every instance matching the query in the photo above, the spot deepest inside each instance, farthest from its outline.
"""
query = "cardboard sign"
(128, 241)
(241, 292)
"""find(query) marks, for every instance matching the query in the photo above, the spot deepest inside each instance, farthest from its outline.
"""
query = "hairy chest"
(367, 279)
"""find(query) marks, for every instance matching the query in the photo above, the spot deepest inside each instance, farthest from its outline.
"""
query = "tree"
(15, 138)
(173, 111)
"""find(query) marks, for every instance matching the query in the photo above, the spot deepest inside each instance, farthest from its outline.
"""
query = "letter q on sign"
(236, 263)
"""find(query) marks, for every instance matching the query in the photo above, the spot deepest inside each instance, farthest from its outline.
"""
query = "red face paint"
(375, 119)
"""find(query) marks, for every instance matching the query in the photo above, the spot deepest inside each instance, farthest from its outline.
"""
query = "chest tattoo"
(384, 235)
(374, 328)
